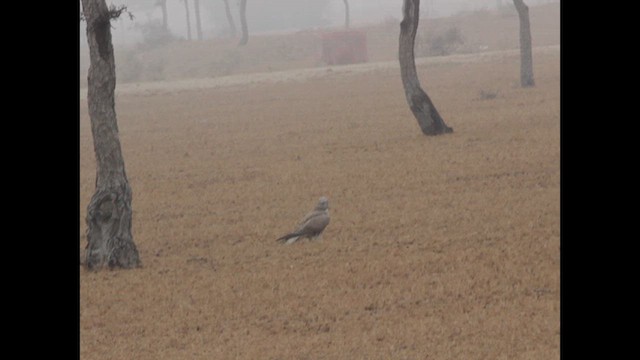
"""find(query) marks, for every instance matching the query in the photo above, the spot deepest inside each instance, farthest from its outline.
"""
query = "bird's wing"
(315, 222)
(312, 214)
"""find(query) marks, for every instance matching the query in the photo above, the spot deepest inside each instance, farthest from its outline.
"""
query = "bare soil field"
(438, 248)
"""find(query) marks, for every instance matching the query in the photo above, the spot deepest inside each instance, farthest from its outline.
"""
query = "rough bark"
(232, 24)
(243, 23)
(347, 20)
(526, 56)
(109, 240)
(429, 120)
(196, 8)
(186, 9)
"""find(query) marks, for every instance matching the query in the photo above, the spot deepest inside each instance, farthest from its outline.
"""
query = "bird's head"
(323, 203)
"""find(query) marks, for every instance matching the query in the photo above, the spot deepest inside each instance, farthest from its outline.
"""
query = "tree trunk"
(196, 7)
(109, 240)
(186, 9)
(346, 14)
(165, 21)
(430, 121)
(526, 57)
(243, 23)
(232, 24)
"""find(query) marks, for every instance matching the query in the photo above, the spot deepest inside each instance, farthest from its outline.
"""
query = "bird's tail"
(289, 238)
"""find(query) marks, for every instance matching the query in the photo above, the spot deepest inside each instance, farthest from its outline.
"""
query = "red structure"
(344, 47)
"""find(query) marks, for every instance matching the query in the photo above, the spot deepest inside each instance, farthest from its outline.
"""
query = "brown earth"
(438, 248)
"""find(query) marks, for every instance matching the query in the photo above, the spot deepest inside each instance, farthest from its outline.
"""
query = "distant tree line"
(261, 15)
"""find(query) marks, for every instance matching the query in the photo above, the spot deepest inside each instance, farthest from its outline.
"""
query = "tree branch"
(113, 13)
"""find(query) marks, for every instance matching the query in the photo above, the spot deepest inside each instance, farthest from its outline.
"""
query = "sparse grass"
(439, 247)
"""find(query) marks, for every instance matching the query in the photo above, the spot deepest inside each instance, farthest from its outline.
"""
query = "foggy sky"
(213, 18)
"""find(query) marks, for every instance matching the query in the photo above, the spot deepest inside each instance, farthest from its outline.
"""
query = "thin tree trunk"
(346, 14)
(196, 6)
(232, 24)
(163, 6)
(526, 56)
(109, 240)
(430, 121)
(243, 23)
(186, 9)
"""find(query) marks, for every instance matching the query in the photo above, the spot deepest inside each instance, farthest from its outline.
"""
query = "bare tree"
(232, 24)
(346, 14)
(420, 104)
(243, 23)
(109, 239)
(186, 9)
(526, 57)
(196, 7)
(163, 6)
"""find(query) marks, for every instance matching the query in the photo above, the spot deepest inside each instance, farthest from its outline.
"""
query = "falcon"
(312, 225)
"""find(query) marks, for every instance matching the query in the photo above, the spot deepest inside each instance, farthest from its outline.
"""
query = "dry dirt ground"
(438, 248)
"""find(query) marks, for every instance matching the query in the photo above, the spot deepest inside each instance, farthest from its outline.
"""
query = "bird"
(312, 225)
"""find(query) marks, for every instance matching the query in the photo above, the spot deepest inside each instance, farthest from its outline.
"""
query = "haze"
(266, 16)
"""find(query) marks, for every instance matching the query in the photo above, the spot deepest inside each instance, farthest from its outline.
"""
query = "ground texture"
(438, 248)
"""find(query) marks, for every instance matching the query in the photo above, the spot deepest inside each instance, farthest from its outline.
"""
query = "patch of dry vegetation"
(443, 247)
